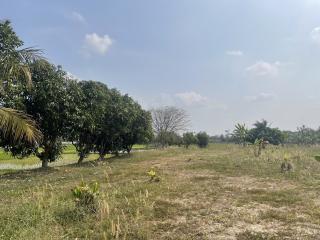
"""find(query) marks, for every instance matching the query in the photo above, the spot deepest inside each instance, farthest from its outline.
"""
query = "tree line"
(59, 108)
(170, 125)
(263, 130)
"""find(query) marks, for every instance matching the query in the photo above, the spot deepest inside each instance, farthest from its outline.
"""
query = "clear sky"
(223, 61)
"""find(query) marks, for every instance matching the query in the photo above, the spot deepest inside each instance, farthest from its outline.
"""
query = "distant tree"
(307, 136)
(262, 130)
(188, 139)
(168, 120)
(203, 139)
(240, 134)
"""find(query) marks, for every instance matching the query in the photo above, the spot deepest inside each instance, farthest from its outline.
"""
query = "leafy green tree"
(203, 139)
(137, 127)
(240, 134)
(307, 136)
(124, 124)
(188, 139)
(108, 138)
(263, 131)
(53, 107)
(93, 100)
(15, 126)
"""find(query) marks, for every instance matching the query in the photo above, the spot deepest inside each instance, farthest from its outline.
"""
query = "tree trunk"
(81, 157)
(45, 163)
(101, 157)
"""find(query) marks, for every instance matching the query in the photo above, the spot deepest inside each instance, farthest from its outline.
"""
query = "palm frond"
(17, 126)
(30, 54)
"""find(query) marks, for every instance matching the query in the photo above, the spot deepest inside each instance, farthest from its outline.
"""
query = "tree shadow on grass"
(23, 174)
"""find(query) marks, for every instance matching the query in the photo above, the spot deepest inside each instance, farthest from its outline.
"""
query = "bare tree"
(169, 119)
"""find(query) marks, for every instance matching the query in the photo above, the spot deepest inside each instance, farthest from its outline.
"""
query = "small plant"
(85, 196)
(317, 157)
(257, 147)
(153, 176)
(286, 166)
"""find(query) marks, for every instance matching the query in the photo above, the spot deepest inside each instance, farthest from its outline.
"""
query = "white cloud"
(191, 98)
(315, 35)
(77, 17)
(261, 97)
(262, 69)
(72, 76)
(97, 44)
(236, 53)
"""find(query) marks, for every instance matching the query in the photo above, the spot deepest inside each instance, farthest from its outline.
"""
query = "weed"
(85, 196)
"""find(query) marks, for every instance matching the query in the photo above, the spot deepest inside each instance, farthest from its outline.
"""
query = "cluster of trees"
(262, 130)
(169, 122)
(303, 136)
(54, 107)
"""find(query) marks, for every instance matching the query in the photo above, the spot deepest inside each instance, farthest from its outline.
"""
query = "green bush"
(203, 139)
(86, 196)
(317, 157)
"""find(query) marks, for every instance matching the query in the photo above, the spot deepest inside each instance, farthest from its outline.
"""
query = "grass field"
(221, 192)
(69, 156)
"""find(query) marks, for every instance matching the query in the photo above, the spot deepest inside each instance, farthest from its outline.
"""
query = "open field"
(221, 192)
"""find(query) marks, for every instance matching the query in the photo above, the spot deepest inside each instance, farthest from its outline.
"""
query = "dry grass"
(222, 192)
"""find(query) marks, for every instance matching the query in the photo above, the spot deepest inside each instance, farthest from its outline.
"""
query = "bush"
(153, 176)
(86, 196)
(188, 139)
(203, 139)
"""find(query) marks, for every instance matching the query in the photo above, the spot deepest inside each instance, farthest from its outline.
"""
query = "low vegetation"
(218, 192)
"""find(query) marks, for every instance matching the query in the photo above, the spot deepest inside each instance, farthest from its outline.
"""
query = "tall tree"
(51, 103)
(93, 102)
(14, 69)
(168, 120)
(262, 130)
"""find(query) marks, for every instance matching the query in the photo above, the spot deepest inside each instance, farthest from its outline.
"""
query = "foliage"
(153, 175)
(240, 134)
(188, 139)
(136, 124)
(164, 139)
(14, 60)
(50, 103)
(203, 139)
(262, 130)
(123, 124)
(85, 196)
(167, 123)
(15, 126)
(93, 99)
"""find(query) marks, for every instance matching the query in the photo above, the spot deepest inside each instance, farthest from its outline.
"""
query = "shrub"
(188, 139)
(203, 139)
(153, 176)
(86, 196)
(317, 157)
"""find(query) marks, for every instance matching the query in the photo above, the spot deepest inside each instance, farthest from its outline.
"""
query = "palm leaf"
(17, 126)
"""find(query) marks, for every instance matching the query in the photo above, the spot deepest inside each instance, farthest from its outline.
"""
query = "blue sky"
(223, 61)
